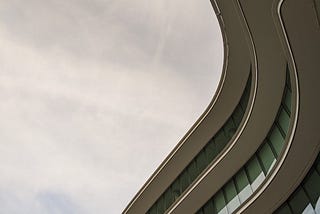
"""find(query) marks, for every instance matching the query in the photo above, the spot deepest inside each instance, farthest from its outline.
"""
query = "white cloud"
(94, 94)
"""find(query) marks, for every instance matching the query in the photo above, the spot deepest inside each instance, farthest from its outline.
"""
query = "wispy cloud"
(94, 94)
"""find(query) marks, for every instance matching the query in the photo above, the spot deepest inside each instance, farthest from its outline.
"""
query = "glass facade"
(242, 185)
(306, 198)
(204, 157)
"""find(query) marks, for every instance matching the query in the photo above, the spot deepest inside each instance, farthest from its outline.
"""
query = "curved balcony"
(245, 183)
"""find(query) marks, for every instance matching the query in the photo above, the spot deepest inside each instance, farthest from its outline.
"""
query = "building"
(256, 147)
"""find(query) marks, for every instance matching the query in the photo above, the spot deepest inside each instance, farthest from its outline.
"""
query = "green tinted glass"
(306, 197)
(242, 185)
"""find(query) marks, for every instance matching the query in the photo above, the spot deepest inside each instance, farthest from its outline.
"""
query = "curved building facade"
(255, 149)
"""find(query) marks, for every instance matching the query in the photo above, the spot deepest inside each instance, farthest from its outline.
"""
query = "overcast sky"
(94, 94)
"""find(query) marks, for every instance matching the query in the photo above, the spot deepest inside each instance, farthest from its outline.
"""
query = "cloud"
(95, 94)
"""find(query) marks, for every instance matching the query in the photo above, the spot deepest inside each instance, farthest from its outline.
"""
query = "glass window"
(231, 196)
(287, 101)
(220, 203)
(201, 161)
(243, 185)
(299, 201)
(176, 189)
(237, 115)
(308, 210)
(160, 205)
(208, 208)
(276, 140)
(267, 157)
(312, 187)
(168, 198)
(284, 120)
(229, 128)
(220, 140)
(211, 150)
(255, 173)
(284, 209)
(184, 180)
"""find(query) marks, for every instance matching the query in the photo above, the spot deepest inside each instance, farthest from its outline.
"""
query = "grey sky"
(94, 94)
